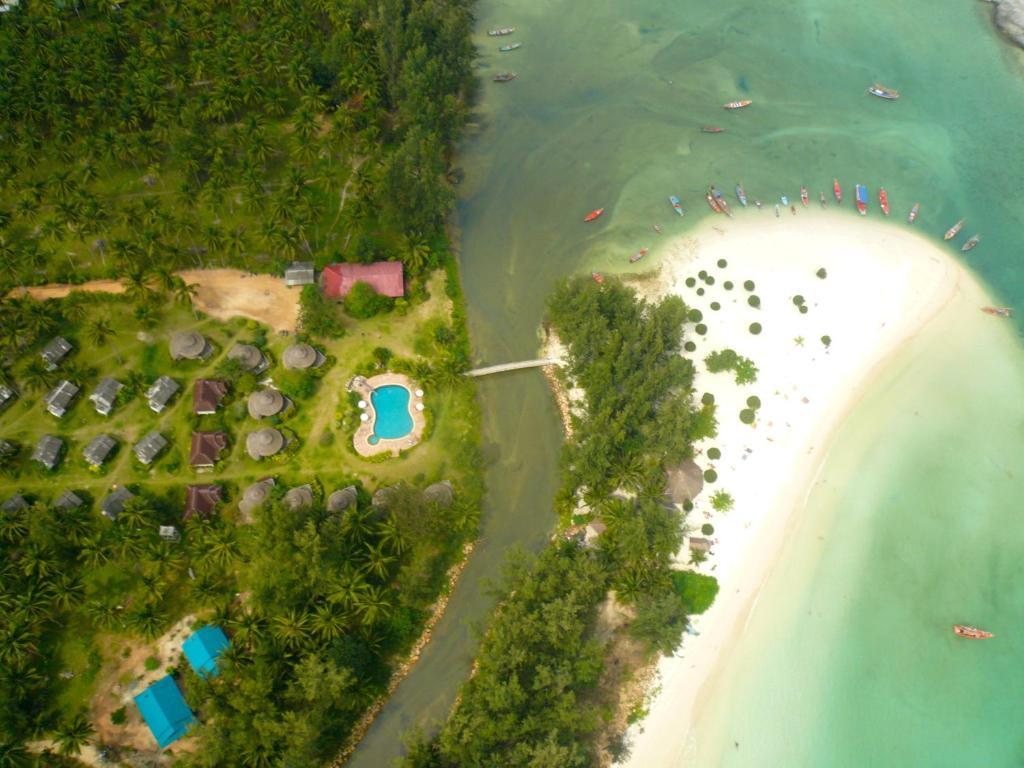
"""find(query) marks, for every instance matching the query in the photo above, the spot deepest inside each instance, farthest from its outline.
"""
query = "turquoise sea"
(848, 659)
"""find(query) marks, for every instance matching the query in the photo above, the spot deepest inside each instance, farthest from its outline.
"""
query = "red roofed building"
(200, 501)
(385, 277)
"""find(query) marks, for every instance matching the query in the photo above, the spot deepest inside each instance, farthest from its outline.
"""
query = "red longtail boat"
(971, 633)
(837, 190)
(883, 200)
(593, 214)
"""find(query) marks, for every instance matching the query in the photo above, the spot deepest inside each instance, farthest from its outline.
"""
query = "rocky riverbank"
(1010, 19)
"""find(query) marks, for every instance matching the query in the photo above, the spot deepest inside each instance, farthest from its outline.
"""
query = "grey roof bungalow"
(54, 352)
(6, 395)
(105, 395)
(160, 394)
(300, 273)
(149, 447)
(47, 451)
(113, 504)
(68, 500)
(98, 449)
(58, 399)
(14, 504)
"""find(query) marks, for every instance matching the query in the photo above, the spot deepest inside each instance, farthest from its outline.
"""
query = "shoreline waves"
(883, 285)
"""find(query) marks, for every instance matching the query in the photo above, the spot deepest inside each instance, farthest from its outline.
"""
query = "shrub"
(714, 453)
(747, 416)
(688, 506)
(702, 274)
(383, 356)
(701, 328)
(798, 300)
(690, 346)
(755, 328)
(715, 306)
(700, 291)
(826, 340)
(709, 280)
(803, 309)
(710, 475)
(696, 590)
(721, 501)
(707, 529)
(754, 402)
(749, 285)
(690, 282)
(822, 273)
(695, 315)
(727, 360)
(727, 285)
(151, 663)
(363, 302)
(118, 716)
(722, 263)
(754, 300)
(318, 315)
(707, 398)
(746, 371)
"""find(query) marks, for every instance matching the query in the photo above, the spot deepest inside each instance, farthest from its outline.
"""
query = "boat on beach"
(837, 190)
(501, 32)
(505, 77)
(972, 241)
(677, 204)
(712, 202)
(593, 214)
(882, 92)
(737, 104)
(954, 230)
(822, 200)
(883, 200)
(598, 277)
(997, 311)
(757, 204)
(971, 633)
(657, 229)
(912, 216)
(784, 199)
(638, 255)
(776, 210)
(510, 47)
(804, 197)
(710, 129)
(862, 199)
(721, 201)
(741, 195)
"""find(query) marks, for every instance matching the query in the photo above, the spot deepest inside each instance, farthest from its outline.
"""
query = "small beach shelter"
(202, 649)
(165, 711)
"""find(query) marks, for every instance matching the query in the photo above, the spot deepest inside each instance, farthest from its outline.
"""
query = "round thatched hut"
(255, 495)
(442, 494)
(264, 442)
(684, 482)
(248, 356)
(342, 499)
(299, 497)
(299, 357)
(383, 496)
(189, 345)
(265, 402)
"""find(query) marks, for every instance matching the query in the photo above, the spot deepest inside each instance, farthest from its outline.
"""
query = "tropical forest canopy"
(198, 132)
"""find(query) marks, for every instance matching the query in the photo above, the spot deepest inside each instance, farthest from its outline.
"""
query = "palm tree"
(17, 642)
(146, 620)
(163, 276)
(104, 614)
(67, 591)
(93, 552)
(73, 734)
(373, 606)
(249, 628)
(415, 254)
(99, 331)
(14, 755)
(392, 534)
(291, 629)
(327, 623)
(347, 589)
(184, 293)
(377, 563)
(219, 547)
(136, 288)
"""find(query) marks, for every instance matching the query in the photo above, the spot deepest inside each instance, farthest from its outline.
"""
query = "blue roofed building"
(202, 649)
(165, 711)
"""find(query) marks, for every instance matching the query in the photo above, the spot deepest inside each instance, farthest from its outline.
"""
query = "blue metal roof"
(202, 649)
(164, 711)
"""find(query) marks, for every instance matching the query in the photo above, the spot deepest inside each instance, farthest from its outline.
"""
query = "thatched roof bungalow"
(189, 345)
(299, 357)
(264, 443)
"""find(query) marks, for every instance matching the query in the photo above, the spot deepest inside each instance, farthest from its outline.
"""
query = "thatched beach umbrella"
(264, 442)
(296, 498)
(300, 356)
(255, 495)
(265, 402)
(440, 493)
(248, 356)
(189, 345)
(684, 482)
(341, 500)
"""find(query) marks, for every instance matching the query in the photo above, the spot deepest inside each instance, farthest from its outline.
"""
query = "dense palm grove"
(147, 134)
(532, 701)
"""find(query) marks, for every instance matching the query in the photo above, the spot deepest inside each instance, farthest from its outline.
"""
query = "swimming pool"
(391, 413)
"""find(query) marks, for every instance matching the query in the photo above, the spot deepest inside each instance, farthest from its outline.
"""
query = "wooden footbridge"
(538, 363)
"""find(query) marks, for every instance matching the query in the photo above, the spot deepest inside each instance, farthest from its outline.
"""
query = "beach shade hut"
(164, 709)
(442, 494)
(189, 345)
(249, 357)
(299, 357)
(264, 403)
(202, 649)
(342, 499)
(299, 497)
(264, 443)
(684, 482)
(255, 495)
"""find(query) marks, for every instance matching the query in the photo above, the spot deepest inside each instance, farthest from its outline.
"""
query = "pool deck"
(394, 446)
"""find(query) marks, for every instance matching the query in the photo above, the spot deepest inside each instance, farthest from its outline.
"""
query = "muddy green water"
(606, 112)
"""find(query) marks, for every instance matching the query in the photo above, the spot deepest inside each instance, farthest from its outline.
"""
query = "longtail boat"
(757, 204)
(776, 210)
(501, 32)
(710, 129)
(712, 202)
(593, 214)
(997, 311)
(657, 229)
(741, 195)
(971, 633)
(737, 104)
(882, 92)
(972, 241)
(837, 190)
(721, 202)
(504, 77)
(677, 204)
(883, 200)
(638, 255)
(822, 200)
(912, 217)
(862, 199)
(598, 277)
(510, 47)
(784, 199)
(954, 230)
(803, 196)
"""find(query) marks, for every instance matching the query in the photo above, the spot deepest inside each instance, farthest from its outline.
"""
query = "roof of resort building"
(201, 501)
(55, 351)
(168, 533)
(699, 544)
(440, 493)
(68, 500)
(206, 396)
(300, 273)
(385, 277)
(298, 497)
(203, 647)
(249, 357)
(264, 442)
(149, 447)
(47, 451)
(301, 356)
(160, 393)
(684, 482)
(59, 398)
(342, 499)
(593, 532)
(14, 503)
(113, 503)
(265, 402)
(207, 447)
(189, 345)
(105, 395)
(6, 395)
(99, 449)
(164, 709)
(255, 495)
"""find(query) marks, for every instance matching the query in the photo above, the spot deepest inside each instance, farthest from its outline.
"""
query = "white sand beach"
(884, 283)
